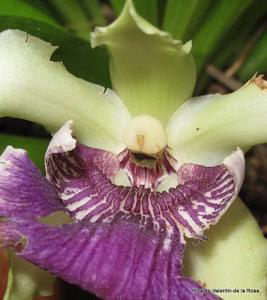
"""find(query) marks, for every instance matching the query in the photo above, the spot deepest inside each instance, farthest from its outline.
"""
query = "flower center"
(145, 134)
(144, 160)
(146, 170)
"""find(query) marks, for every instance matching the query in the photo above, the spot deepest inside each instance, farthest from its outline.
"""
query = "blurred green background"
(229, 36)
(229, 42)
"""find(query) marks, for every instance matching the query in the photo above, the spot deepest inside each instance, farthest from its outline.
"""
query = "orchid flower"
(140, 170)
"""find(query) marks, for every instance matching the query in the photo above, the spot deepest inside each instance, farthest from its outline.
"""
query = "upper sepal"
(151, 72)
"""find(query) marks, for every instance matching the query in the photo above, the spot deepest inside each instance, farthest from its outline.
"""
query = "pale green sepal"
(26, 281)
(206, 129)
(151, 72)
(34, 88)
(233, 257)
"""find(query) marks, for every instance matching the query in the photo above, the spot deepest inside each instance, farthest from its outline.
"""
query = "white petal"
(206, 129)
(36, 89)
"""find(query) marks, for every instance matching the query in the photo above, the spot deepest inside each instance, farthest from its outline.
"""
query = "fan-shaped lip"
(128, 221)
(200, 198)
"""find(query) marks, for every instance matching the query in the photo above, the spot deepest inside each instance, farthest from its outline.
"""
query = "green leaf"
(36, 147)
(22, 9)
(243, 36)
(219, 21)
(147, 9)
(73, 16)
(93, 11)
(152, 73)
(40, 5)
(257, 60)
(117, 5)
(182, 16)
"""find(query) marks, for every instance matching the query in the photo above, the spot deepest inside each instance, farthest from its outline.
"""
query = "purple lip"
(125, 242)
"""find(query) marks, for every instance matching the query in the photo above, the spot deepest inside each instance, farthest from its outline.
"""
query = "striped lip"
(126, 242)
(83, 178)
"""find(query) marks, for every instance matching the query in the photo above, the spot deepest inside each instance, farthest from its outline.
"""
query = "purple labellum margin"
(126, 242)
